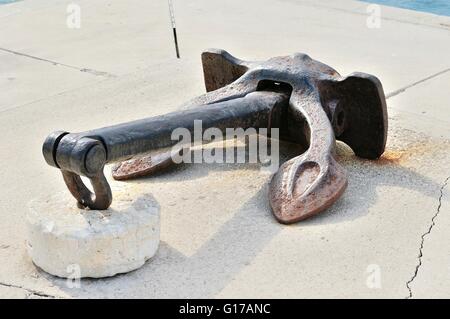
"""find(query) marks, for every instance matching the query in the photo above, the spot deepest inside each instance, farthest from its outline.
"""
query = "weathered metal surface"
(308, 100)
(145, 165)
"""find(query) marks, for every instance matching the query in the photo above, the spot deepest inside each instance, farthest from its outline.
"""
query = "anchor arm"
(313, 181)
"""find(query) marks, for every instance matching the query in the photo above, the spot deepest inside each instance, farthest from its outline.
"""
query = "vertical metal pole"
(174, 28)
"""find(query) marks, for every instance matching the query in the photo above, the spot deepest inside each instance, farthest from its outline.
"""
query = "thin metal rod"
(176, 42)
(174, 28)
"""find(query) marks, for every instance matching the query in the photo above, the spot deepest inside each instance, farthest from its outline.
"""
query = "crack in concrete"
(403, 89)
(408, 284)
(30, 291)
(86, 70)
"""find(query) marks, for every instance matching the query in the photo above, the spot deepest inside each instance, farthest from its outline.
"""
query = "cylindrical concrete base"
(66, 241)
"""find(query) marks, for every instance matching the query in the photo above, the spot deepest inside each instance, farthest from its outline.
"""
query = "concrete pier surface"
(387, 237)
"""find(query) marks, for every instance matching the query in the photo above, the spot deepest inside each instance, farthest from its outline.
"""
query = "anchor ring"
(100, 199)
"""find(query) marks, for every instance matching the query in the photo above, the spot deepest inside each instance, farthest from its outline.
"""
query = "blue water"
(9, 1)
(441, 7)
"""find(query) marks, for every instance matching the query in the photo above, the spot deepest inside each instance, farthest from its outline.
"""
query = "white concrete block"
(66, 241)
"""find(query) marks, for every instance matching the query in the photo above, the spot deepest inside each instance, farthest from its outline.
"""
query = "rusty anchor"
(308, 101)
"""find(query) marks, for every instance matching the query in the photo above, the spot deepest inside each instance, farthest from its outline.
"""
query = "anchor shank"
(123, 141)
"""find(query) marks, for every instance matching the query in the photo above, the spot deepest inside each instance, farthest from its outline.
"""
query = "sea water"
(440, 7)
(7, 1)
